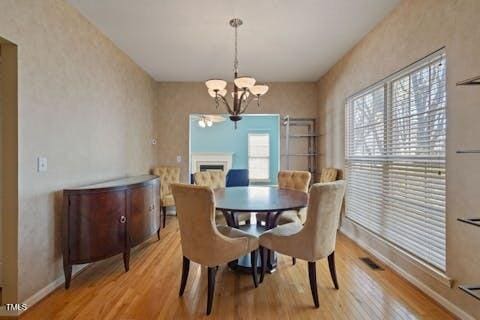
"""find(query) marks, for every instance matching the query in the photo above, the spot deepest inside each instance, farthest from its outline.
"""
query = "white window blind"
(259, 156)
(395, 159)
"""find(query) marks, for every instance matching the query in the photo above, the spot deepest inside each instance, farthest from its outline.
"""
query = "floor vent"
(369, 262)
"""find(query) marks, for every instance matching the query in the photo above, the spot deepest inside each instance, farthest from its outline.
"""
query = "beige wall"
(85, 106)
(411, 31)
(177, 100)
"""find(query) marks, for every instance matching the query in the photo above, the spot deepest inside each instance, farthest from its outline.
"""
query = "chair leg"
(185, 269)
(253, 258)
(294, 260)
(312, 274)
(211, 288)
(164, 210)
(158, 233)
(333, 272)
(263, 259)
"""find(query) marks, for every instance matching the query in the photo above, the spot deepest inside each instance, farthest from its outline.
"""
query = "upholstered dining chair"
(314, 240)
(293, 180)
(205, 243)
(237, 178)
(328, 175)
(216, 179)
(167, 176)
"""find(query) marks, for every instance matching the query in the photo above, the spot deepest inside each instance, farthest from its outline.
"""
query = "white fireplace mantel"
(198, 159)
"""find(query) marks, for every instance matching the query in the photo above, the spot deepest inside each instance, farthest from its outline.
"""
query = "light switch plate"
(42, 164)
(179, 159)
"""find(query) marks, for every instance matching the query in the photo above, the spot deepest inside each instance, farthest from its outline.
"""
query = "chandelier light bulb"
(201, 123)
(209, 122)
(244, 82)
(259, 90)
(216, 84)
(213, 93)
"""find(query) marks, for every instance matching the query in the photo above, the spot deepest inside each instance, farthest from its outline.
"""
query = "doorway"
(215, 144)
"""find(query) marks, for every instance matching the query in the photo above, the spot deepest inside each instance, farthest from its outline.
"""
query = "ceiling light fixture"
(244, 88)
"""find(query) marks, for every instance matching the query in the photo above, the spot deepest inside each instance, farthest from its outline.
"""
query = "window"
(395, 159)
(259, 156)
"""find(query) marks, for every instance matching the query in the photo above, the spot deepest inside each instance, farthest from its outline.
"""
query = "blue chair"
(237, 178)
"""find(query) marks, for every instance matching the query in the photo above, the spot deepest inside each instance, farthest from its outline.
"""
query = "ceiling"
(190, 40)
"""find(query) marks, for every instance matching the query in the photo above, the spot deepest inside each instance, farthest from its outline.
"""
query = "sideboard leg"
(126, 260)
(67, 269)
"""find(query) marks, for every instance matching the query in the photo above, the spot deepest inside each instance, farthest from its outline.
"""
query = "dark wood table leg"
(230, 218)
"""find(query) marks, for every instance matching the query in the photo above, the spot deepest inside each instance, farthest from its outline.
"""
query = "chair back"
(168, 175)
(195, 206)
(328, 175)
(201, 241)
(237, 178)
(294, 180)
(320, 228)
(213, 179)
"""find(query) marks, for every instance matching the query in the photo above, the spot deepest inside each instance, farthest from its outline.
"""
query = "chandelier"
(244, 88)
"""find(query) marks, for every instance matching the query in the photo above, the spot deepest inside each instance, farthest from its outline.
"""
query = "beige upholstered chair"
(314, 240)
(328, 175)
(167, 176)
(294, 180)
(216, 179)
(213, 179)
(202, 241)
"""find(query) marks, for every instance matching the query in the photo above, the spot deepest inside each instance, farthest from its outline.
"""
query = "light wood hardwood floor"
(150, 290)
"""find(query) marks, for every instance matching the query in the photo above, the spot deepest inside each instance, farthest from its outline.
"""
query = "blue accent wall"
(222, 137)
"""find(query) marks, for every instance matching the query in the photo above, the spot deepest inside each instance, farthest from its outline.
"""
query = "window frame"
(389, 158)
(259, 180)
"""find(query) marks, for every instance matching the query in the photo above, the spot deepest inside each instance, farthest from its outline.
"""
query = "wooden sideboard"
(108, 218)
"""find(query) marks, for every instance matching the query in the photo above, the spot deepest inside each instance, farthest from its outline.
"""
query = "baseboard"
(413, 280)
(52, 286)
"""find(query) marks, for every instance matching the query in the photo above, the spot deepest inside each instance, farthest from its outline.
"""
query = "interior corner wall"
(413, 30)
(85, 106)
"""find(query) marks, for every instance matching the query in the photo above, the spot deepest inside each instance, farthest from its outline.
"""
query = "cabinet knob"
(123, 219)
(152, 207)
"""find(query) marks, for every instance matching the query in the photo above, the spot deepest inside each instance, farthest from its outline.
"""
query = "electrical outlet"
(42, 164)
(179, 159)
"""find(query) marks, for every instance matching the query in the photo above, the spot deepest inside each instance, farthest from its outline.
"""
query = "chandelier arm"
(225, 102)
(247, 103)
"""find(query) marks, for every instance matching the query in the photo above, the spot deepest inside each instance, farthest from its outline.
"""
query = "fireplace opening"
(210, 167)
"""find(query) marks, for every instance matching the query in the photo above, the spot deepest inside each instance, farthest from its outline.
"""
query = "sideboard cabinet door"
(97, 224)
(144, 214)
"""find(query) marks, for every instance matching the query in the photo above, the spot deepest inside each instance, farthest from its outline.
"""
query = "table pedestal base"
(244, 263)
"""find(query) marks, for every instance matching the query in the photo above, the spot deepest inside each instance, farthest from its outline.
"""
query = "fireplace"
(201, 161)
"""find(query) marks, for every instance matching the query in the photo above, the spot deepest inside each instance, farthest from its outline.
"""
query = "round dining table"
(271, 200)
